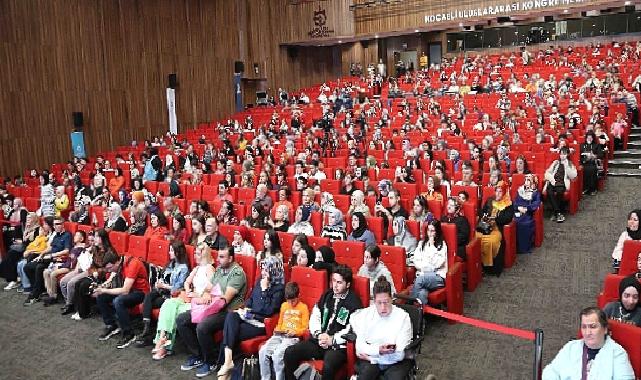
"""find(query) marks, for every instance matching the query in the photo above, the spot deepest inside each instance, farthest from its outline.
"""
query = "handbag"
(201, 311)
(251, 369)
(484, 227)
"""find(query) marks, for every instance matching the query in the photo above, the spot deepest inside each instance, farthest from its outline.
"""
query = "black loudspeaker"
(292, 52)
(467, 28)
(501, 20)
(239, 67)
(365, 44)
(584, 14)
(172, 80)
(629, 9)
(548, 18)
(78, 119)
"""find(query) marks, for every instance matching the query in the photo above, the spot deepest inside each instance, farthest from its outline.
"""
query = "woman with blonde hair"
(358, 204)
(195, 286)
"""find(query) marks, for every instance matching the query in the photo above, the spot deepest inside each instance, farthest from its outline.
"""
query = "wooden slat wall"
(109, 59)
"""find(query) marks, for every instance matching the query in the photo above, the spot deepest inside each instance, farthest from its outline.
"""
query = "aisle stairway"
(627, 163)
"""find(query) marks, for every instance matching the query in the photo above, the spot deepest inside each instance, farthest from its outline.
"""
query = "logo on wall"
(320, 25)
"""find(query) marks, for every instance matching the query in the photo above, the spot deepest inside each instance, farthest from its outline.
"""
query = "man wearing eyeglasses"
(59, 246)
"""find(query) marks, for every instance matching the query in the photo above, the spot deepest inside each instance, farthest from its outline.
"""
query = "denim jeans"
(24, 280)
(120, 308)
(424, 283)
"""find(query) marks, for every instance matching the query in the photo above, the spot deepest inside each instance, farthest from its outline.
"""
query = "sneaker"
(126, 340)
(204, 370)
(560, 218)
(12, 285)
(108, 332)
(66, 310)
(593, 192)
(553, 217)
(30, 301)
(50, 301)
(76, 316)
(191, 363)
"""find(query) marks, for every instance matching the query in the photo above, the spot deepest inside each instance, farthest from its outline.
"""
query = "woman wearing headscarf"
(325, 259)
(248, 322)
(496, 212)
(360, 232)
(301, 223)
(327, 202)
(632, 232)
(358, 204)
(240, 244)
(115, 221)
(590, 152)
(626, 309)
(453, 215)
(373, 268)
(138, 221)
(527, 201)
(403, 238)
(335, 227)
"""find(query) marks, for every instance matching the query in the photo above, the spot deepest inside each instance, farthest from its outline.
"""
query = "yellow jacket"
(38, 245)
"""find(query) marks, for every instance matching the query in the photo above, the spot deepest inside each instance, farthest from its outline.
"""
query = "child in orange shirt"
(293, 321)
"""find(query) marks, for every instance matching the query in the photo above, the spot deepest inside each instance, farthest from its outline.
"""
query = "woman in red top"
(158, 227)
(179, 233)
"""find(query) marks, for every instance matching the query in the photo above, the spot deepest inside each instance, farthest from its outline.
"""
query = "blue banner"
(78, 144)
(238, 93)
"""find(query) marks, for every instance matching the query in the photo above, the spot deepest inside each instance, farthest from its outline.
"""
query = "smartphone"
(391, 346)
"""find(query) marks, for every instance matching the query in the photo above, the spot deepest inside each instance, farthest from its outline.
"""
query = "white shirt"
(372, 330)
(428, 259)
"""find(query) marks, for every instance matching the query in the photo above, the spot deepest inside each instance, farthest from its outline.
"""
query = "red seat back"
(249, 267)
(395, 260)
(631, 250)
(628, 336)
(120, 241)
(349, 253)
(449, 235)
(360, 286)
(158, 252)
(375, 224)
(312, 284)
(71, 227)
(286, 241)
(138, 246)
(317, 242)
(257, 238)
(190, 255)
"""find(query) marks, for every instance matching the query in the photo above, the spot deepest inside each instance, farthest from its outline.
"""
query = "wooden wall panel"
(109, 59)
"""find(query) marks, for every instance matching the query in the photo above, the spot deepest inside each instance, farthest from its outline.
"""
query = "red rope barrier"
(524, 334)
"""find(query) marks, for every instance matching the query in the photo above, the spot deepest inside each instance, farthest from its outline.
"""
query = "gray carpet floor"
(543, 290)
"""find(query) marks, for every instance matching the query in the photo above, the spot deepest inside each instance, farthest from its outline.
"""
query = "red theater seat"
(158, 253)
(138, 246)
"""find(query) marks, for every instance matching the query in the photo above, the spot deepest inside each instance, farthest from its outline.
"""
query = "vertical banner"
(238, 93)
(78, 144)
(171, 109)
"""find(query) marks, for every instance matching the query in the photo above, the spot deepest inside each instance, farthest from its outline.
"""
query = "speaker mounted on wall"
(239, 67)
(172, 80)
(78, 120)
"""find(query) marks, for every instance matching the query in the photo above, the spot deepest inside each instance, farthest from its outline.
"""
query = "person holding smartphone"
(383, 331)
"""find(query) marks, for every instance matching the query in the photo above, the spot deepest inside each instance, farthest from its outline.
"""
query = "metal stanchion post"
(538, 354)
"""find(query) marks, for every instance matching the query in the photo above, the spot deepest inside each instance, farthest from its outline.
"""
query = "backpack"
(307, 371)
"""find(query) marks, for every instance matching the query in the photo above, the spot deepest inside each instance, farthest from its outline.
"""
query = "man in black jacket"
(327, 325)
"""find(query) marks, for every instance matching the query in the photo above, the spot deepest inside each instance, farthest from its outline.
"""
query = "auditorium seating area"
(399, 118)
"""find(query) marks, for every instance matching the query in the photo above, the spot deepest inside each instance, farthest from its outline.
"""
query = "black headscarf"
(630, 281)
(329, 260)
(362, 225)
(634, 235)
